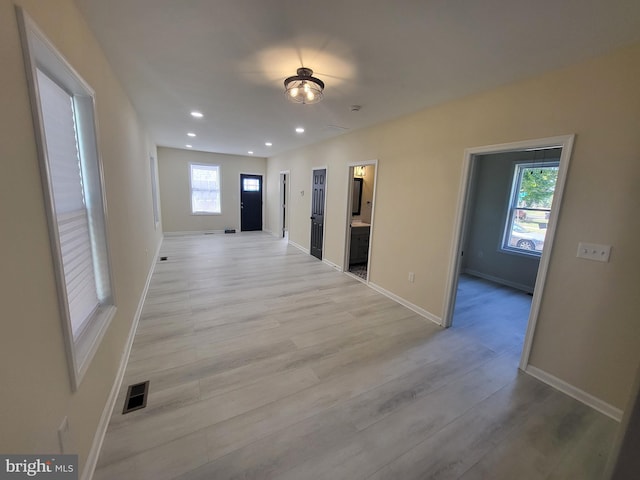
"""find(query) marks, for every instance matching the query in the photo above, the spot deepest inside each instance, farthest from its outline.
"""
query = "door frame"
(284, 202)
(326, 187)
(240, 197)
(461, 222)
(347, 242)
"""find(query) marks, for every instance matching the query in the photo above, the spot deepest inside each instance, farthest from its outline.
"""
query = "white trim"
(347, 243)
(98, 438)
(419, 310)
(332, 265)
(192, 232)
(299, 247)
(574, 392)
(566, 143)
(501, 281)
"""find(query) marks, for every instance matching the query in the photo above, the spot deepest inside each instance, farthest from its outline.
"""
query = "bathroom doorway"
(360, 213)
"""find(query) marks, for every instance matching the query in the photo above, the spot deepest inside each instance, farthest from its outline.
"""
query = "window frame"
(40, 54)
(206, 166)
(512, 205)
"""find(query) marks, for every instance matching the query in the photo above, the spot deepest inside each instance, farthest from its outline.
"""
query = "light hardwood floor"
(265, 363)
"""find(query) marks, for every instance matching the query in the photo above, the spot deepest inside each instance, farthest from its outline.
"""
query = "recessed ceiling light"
(300, 130)
(250, 152)
(191, 134)
(197, 114)
(268, 144)
(188, 146)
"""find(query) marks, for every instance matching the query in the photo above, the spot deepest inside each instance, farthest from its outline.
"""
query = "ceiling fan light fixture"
(304, 87)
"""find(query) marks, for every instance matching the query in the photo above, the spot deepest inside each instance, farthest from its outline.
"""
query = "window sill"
(86, 344)
(520, 252)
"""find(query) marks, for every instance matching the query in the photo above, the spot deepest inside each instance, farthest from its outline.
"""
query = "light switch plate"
(594, 251)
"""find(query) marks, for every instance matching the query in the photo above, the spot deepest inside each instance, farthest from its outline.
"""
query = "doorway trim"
(284, 202)
(347, 240)
(461, 221)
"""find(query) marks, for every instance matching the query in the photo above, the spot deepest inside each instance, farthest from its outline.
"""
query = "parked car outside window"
(525, 239)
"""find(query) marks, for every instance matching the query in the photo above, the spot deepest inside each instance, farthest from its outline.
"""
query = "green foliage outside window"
(537, 186)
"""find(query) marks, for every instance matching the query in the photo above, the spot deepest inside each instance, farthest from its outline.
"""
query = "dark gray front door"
(317, 212)
(250, 202)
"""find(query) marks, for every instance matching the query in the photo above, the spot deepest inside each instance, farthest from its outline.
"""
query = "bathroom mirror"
(356, 199)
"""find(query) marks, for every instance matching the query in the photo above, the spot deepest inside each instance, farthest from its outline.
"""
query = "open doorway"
(362, 184)
(504, 233)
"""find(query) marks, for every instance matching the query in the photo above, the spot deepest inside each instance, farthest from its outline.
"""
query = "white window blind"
(205, 188)
(66, 178)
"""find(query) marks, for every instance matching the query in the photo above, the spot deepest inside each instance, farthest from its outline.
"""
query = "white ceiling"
(228, 59)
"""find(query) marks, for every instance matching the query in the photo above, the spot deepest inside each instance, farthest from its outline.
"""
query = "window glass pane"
(205, 189)
(251, 184)
(61, 145)
(537, 185)
(534, 186)
(59, 125)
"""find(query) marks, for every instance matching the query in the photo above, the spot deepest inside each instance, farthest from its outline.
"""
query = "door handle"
(313, 218)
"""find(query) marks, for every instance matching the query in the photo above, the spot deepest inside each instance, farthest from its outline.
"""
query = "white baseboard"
(98, 438)
(192, 232)
(332, 265)
(299, 247)
(419, 310)
(501, 281)
(574, 392)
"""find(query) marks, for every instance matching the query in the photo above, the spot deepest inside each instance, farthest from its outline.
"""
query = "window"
(530, 207)
(250, 184)
(205, 189)
(65, 126)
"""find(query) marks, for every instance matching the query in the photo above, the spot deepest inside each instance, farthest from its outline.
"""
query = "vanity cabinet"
(359, 251)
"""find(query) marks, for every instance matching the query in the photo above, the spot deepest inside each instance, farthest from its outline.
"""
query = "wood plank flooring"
(264, 363)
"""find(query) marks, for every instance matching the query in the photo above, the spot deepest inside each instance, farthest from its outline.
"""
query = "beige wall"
(175, 195)
(36, 392)
(588, 332)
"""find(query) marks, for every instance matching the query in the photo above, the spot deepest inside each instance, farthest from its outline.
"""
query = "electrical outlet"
(594, 251)
(412, 277)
